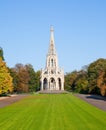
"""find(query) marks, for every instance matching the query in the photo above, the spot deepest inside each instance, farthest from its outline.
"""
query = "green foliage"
(81, 86)
(81, 82)
(76, 81)
(25, 79)
(14, 75)
(34, 82)
(37, 80)
(95, 71)
(52, 112)
(1, 53)
(91, 79)
(70, 80)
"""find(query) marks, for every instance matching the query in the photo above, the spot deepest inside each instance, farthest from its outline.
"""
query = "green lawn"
(52, 112)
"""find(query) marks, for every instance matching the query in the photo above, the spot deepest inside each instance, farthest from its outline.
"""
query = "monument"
(52, 77)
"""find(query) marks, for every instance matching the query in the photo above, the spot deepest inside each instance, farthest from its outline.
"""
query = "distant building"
(52, 77)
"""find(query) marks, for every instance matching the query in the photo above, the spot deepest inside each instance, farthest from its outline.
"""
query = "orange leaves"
(101, 82)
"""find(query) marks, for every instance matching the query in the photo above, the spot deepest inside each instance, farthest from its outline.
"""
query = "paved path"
(95, 100)
(5, 101)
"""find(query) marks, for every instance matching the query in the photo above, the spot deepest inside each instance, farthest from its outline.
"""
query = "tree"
(96, 76)
(20, 78)
(101, 82)
(32, 80)
(91, 79)
(70, 79)
(23, 78)
(1, 53)
(14, 75)
(81, 82)
(6, 85)
(37, 80)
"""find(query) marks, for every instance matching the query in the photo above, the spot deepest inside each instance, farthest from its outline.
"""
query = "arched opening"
(52, 84)
(45, 84)
(52, 62)
(59, 83)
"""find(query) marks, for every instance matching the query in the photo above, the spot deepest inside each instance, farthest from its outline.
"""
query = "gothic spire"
(52, 50)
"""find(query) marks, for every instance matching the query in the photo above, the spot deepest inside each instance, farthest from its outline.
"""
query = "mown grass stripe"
(52, 112)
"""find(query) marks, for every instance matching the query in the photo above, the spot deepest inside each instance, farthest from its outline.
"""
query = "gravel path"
(5, 101)
(95, 100)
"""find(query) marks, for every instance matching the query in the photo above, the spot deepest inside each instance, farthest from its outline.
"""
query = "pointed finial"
(51, 29)
(52, 50)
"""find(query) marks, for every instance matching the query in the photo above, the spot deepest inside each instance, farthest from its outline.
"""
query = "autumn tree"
(23, 78)
(101, 82)
(6, 85)
(96, 76)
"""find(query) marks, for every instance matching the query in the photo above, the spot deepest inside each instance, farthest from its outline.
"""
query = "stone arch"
(52, 83)
(52, 62)
(60, 83)
(45, 83)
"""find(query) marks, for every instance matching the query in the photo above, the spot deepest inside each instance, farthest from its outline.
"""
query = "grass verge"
(52, 112)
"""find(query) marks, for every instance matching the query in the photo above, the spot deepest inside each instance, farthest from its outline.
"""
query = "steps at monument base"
(53, 92)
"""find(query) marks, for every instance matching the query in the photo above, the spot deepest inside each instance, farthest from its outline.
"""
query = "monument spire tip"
(51, 29)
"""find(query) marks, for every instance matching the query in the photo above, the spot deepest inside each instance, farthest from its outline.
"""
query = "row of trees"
(21, 78)
(91, 79)
(25, 79)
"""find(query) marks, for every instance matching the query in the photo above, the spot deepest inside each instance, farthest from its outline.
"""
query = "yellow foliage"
(6, 84)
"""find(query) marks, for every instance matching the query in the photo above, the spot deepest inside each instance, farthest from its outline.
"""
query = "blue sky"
(79, 25)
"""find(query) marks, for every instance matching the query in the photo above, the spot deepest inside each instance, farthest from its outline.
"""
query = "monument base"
(53, 92)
